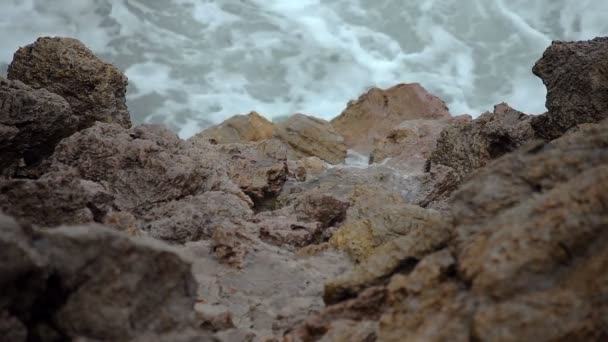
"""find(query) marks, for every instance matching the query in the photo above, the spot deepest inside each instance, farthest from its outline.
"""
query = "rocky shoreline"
(492, 229)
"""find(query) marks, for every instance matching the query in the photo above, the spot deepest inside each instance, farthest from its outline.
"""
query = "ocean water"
(192, 63)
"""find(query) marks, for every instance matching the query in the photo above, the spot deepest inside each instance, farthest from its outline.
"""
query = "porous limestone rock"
(577, 83)
(239, 129)
(312, 137)
(94, 89)
(32, 122)
(377, 112)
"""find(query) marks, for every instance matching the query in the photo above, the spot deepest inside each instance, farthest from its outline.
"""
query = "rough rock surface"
(374, 114)
(55, 199)
(576, 77)
(239, 129)
(464, 147)
(259, 169)
(527, 262)
(268, 245)
(312, 137)
(408, 146)
(32, 122)
(143, 166)
(94, 89)
(89, 282)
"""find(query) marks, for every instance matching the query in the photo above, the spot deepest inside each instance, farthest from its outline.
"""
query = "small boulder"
(577, 83)
(94, 89)
(309, 136)
(239, 129)
(377, 112)
(32, 122)
(88, 282)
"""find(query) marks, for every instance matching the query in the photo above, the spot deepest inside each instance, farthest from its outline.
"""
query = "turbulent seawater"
(195, 62)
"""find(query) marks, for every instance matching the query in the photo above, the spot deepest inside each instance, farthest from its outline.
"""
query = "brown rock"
(576, 80)
(144, 166)
(464, 147)
(55, 199)
(65, 272)
(259, 169)
(32, 122)
(194, 217)
(408, 146)
(310, 136)
(95, 90)
(239, 129)
(375, 113)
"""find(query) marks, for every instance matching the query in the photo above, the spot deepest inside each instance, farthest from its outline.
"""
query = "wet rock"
(312, 137)
(576, 80)
(56, 198)
(376, 113)
(465, 147)
(95, 90)
(144, 166)
(239, 129)
(32, 122)
(135, 287)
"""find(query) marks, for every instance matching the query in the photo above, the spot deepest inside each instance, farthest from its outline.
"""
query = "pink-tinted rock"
(374, 114)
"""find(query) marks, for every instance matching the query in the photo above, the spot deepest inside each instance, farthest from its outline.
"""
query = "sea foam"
(193, 63)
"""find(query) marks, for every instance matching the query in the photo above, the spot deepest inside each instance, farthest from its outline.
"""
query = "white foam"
(201, 61)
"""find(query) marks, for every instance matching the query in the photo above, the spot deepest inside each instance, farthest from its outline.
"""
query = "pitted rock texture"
(464, 147)
(89, 282)
(312, 137)
(375, 113)
(239, 129)
(576, 77)
(94, 89)
(32, 122)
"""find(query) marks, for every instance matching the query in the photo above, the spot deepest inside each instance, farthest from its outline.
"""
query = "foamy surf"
(192, 63)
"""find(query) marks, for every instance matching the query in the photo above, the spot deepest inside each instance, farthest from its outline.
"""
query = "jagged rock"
(577, 82)
(309, 136)
(375, 113)
(239, 129)
(423, 232)
(409, 145)
(194, 217)
(55, 199)
(377, 217)
(144, 166)
(32, 122)
(92, 283)
(95, 90)
(259, 168)
(465, 147)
